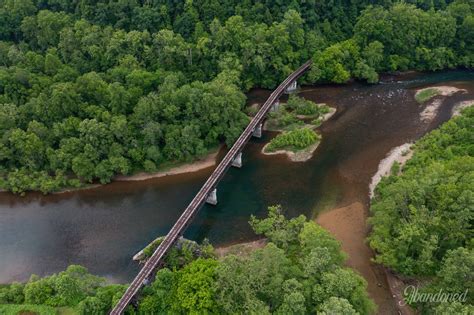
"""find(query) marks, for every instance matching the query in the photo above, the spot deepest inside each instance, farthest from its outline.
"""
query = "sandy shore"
(400, 154)
(430, 111)
(299, 156)
(456, 111)
(208, 161)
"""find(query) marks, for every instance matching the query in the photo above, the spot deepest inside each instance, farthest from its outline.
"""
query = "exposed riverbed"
(103, 228)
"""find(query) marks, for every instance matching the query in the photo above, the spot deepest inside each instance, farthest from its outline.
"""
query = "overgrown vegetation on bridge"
(93, 89)
(423, 219)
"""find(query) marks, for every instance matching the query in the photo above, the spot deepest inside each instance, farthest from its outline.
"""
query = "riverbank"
(456, 111)
(425, 94)
(400, 155)
(200, 164)
(348, 225)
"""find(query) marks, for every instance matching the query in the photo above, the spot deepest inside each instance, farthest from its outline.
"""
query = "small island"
(296, 120)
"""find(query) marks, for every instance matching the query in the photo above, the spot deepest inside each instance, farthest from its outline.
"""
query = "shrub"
(294, 140)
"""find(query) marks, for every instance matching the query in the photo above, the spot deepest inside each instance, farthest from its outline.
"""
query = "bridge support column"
(292, 87)
(257, 132)
(237, 162)
(275, 106)
(212, 197)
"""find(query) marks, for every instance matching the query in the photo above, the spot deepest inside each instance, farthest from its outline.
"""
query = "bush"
(301, 106)
(294, 140)
(12, 294)
(282, 120)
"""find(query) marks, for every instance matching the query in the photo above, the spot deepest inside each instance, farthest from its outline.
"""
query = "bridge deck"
(186, 217)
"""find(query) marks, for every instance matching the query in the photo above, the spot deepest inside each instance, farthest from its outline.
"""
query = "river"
(103, 228)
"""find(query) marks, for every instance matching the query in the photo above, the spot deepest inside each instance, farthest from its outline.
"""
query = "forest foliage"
(74, 288)
(422, 219)
(89, 90)
(300, 271)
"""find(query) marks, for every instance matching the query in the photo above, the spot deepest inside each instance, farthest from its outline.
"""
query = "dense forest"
(299, 271)
(423, 218)
(91, 89)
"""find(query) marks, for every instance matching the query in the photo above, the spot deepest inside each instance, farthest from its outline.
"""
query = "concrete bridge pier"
(212, 197)
(237, 161)
(275, 106)
(257, 132)
(292, 87)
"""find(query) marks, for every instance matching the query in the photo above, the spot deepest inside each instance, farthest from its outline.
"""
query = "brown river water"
(103, 228)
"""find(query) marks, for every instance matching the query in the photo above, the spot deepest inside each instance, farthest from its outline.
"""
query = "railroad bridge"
(208, 192)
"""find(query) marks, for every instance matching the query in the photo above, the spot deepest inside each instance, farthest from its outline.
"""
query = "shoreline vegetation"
(296, 122)
(391, 164)
(204, 162)
(199, 164)
(438, 160)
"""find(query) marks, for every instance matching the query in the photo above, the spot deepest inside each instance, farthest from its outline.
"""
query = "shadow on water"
(103, 228)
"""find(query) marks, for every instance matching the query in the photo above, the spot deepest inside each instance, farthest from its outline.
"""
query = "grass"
(425, 95)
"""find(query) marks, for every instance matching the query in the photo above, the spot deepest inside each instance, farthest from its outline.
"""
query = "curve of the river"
(103, 228)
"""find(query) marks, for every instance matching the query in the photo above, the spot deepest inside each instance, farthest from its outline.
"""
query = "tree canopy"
(91, 90)
(299, 271)
(422, 218)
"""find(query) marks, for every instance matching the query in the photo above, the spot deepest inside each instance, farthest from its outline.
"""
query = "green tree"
(336, 305)
(195, 292)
